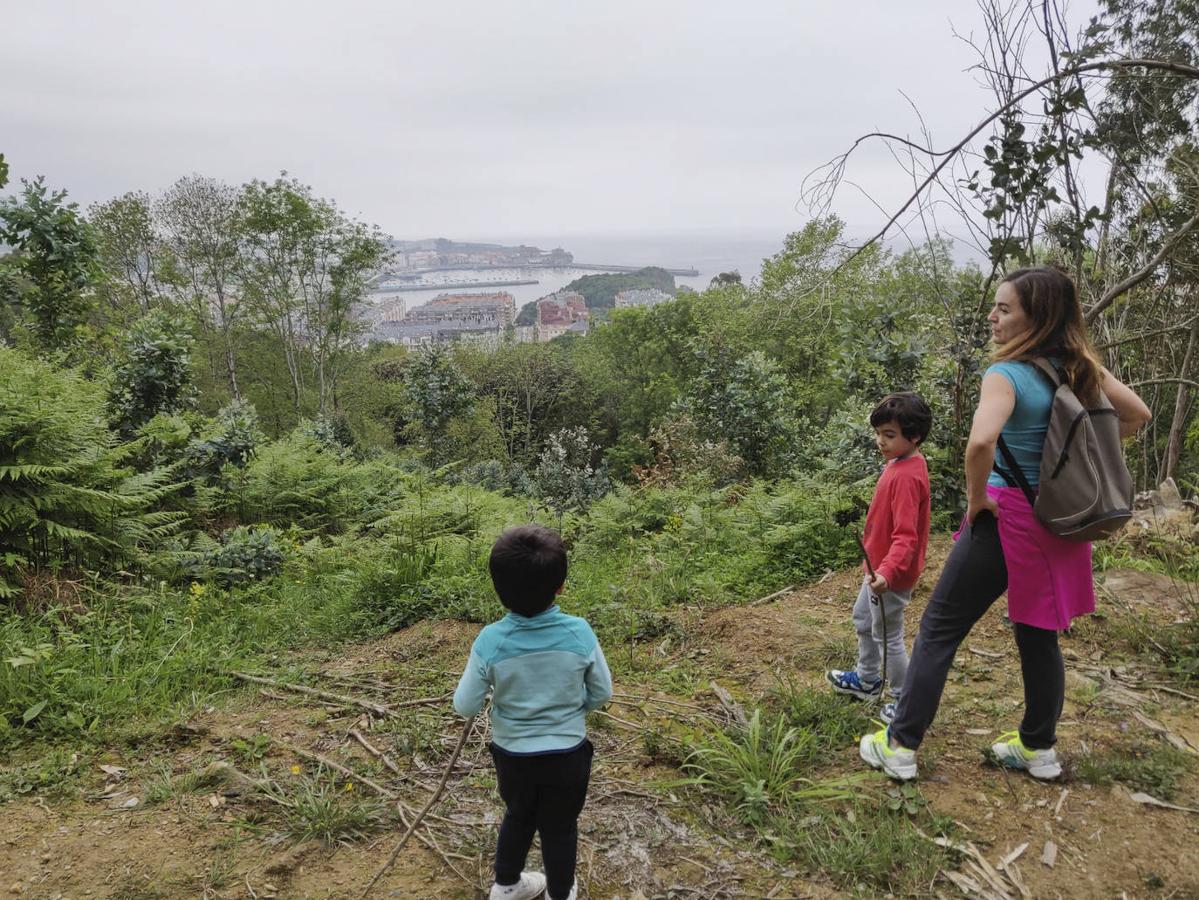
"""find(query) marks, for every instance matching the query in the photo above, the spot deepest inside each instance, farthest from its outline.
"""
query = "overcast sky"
(489, 120)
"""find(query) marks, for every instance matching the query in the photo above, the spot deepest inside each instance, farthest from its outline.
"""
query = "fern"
(65, 498)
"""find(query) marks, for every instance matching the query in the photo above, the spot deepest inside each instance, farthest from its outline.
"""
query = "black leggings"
(975, 575)
(543, 794)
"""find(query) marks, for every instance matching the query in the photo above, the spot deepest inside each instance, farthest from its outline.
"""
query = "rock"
(1170, 497)
(1147, 500)
(1078, 682)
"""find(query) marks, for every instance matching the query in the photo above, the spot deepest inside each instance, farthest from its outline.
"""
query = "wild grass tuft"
(1156, 770)
(332, 814)
(760, 768)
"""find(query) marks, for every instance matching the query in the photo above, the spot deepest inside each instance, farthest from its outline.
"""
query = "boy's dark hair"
(909, 410)
(528, 565)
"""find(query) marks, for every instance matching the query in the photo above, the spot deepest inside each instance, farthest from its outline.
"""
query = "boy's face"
(890, 441)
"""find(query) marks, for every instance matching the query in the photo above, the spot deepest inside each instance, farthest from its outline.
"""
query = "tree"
(1121, 94)
(129, 248)
(437, 392)
(744, 400)
(199, 220)
(348, 255)
(303, 265)
(155, 374)
(47, 274)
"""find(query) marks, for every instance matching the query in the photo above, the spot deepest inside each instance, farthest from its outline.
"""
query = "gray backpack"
(1085, 489)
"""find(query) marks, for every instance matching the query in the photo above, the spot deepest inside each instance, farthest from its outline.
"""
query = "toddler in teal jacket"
(545, 671)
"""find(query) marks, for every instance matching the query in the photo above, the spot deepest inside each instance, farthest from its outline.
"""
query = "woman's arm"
(995, 404)
(1131, 409)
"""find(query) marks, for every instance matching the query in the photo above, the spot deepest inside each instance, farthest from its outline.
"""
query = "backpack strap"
(1049, 371)
(1013, 474)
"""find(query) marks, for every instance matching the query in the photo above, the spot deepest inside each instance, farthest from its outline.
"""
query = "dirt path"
(162, 821)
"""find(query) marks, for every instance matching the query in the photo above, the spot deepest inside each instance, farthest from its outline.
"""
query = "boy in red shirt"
(896, 538)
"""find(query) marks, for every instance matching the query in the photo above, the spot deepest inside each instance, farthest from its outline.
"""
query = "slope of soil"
(167, 817)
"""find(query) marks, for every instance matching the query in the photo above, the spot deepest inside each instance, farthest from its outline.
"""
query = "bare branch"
(1141, 274)
(1188, 382)
(1073, 72)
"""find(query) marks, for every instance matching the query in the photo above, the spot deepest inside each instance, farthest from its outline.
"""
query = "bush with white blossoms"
(564, 477)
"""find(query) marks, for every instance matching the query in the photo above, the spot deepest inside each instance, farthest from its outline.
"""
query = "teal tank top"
(1024, 432)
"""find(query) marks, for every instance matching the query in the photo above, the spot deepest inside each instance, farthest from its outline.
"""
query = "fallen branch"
(377, 708)
(376, 753)
(1153, 801)
(761, 600)
(470, 724)
(338, 767)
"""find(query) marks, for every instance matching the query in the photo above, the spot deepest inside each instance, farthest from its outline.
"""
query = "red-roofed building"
(560, 313)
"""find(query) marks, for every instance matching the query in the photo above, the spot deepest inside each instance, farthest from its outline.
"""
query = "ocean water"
(708, 253)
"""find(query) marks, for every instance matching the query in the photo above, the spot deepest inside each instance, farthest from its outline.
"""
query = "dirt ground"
(164, 819)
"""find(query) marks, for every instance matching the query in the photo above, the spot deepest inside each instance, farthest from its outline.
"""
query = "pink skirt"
(1049, 579)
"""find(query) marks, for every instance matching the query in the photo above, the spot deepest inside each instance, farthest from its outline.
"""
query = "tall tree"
(47, 274)
(129, 249)
(200, 224)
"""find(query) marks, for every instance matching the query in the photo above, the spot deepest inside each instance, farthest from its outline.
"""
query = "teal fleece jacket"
(544, 673)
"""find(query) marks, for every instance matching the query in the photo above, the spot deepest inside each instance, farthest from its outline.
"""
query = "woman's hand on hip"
(986, 503)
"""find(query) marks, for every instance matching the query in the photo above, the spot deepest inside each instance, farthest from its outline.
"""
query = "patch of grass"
(662, 749)
(163, 784)
(53, 774)
(760, 768)
(331, 814)
(251, 751)
(833, 721)
(1156, 770)
(866, 848)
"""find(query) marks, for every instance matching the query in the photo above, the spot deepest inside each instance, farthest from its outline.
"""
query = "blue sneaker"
(850, 683)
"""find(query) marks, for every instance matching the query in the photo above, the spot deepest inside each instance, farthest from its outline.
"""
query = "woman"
(1002, 546)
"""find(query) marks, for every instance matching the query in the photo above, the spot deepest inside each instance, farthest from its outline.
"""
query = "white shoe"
(573, 895)
(875, 750)
(1011, 752)
(531, 885)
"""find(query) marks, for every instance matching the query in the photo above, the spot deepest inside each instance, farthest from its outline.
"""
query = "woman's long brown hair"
(1050, 302)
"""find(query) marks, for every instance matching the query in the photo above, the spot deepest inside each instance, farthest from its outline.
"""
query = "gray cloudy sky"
(485, 119)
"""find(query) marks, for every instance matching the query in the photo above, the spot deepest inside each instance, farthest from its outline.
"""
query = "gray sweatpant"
(867, 620)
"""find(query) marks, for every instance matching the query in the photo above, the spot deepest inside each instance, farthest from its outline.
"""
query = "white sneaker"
(573, 895)
(531, 885)
(875, 750)
(1011, 752)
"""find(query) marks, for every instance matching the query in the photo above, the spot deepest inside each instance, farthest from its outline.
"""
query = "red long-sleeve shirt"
(896, 535)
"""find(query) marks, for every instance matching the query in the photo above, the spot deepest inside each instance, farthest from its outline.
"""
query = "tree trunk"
(1178, 423)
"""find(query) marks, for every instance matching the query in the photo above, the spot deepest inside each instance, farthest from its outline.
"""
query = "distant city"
(482, 315)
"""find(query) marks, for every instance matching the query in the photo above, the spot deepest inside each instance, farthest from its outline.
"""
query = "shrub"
(565, 477)
(155, 373)
(246, 554)
(230, 440)
(296, 481)
(65, 496)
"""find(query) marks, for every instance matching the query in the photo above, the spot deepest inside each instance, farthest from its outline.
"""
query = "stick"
(788, 589)
(470, 724)
(378, 754)
(377, 708)
(338, 767)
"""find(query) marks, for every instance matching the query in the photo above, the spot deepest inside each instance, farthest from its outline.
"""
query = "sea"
(708, 253)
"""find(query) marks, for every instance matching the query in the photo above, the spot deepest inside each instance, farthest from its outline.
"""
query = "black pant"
(543, 794)
(975, 575)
